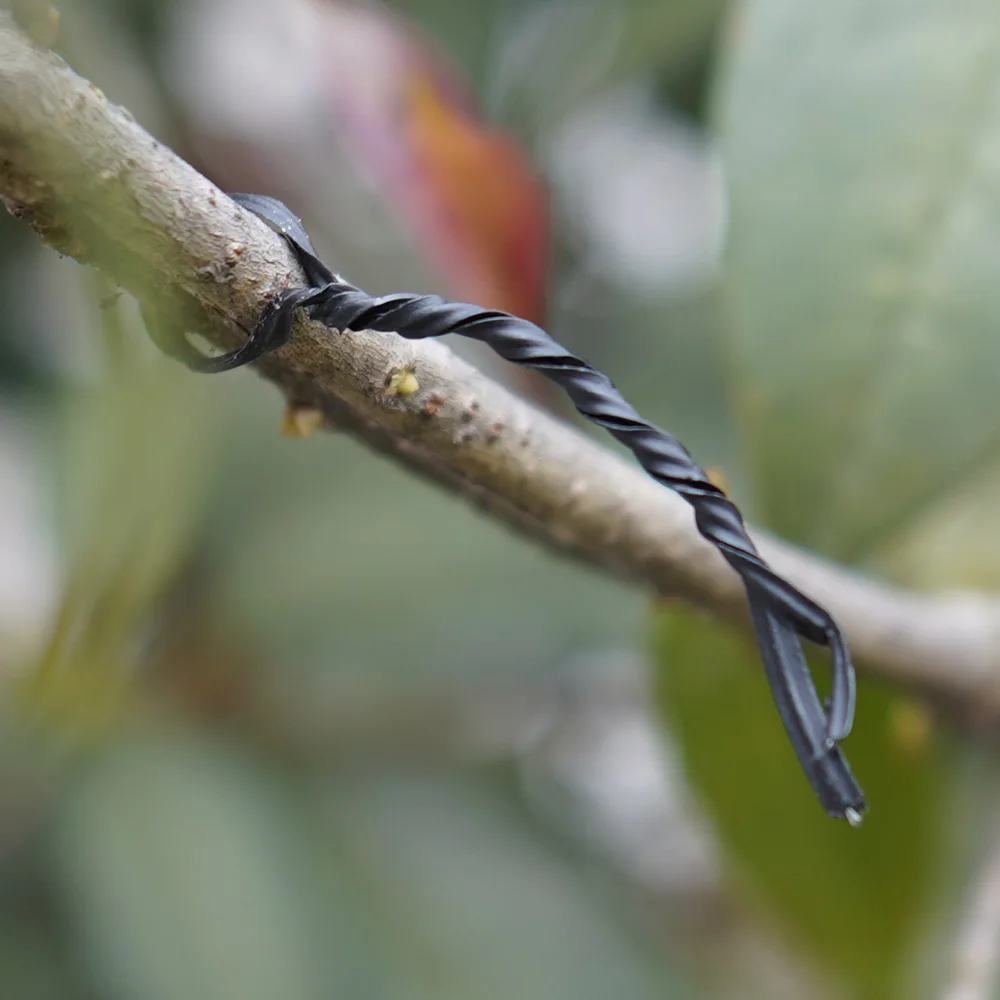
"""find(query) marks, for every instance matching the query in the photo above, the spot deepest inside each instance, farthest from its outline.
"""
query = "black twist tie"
(781, 614)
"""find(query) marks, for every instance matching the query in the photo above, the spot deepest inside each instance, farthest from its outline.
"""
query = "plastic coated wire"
(781, 614)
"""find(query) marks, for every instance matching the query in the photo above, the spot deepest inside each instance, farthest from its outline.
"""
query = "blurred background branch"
(976, 959)
(97, 187)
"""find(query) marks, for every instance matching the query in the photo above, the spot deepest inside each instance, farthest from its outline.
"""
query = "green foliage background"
(230, 765)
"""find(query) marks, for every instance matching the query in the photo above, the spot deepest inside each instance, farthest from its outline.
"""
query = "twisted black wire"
(780, 613)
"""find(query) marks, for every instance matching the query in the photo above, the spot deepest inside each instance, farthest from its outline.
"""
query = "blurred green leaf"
(558, 54)
(133, 470)
(469, 901)
(954, 544)
(860, 142)
(30, 964)
(670, 35)
(136, 452)
(854, 898)
(186, 880)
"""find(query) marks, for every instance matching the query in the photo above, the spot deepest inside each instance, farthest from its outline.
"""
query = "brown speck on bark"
(433, 405)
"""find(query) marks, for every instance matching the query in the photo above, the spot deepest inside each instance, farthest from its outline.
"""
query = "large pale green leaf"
(853, 899)
(862, 145)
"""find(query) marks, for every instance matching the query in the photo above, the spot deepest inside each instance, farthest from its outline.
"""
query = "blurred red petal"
(470, 196)
(491, 209)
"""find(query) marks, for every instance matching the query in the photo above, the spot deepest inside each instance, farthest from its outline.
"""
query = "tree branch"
(97, 187)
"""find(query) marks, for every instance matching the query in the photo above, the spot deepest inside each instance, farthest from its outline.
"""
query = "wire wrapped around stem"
(781, 614)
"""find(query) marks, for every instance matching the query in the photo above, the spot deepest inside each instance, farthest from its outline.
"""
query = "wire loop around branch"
(781, 614)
